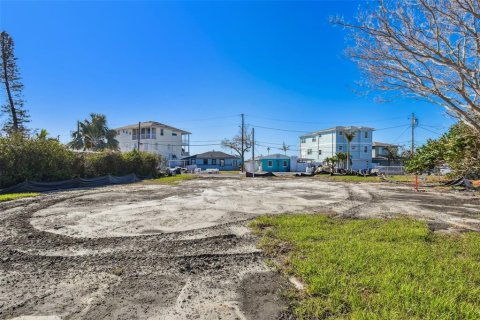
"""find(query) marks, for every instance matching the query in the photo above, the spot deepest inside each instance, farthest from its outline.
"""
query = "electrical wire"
(322, 123)
(423, 127)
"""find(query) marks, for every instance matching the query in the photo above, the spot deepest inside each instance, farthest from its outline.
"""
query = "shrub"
(48, 160)
(33, 159)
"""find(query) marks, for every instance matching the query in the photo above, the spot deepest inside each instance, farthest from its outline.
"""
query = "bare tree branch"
(427, 49)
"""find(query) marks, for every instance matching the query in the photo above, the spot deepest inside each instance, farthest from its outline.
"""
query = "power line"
(207, 119)
(403, 132)
(323, 123)
(278, 129)
(423, 127)
(388, 128)
(299, 131)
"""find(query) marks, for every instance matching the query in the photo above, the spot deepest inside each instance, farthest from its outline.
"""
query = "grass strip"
(13, 196)
(374, 269)
(171, 179)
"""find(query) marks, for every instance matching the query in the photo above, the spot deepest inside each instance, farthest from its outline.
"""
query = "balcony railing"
(144, 136)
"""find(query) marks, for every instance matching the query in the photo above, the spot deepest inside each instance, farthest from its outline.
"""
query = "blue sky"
(197, 65)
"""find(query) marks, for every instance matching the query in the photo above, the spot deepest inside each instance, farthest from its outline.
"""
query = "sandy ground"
(178, 252)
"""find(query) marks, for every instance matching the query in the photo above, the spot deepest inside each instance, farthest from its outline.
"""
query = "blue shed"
(274, 163)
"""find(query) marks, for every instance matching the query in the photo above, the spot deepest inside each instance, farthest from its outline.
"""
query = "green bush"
(48, 160)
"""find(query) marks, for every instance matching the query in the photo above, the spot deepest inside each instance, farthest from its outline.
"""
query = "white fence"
(390, 170)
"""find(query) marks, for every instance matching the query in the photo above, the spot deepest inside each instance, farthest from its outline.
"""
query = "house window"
(366, 134)
(314, 139)
(285, 163)
(354, 147)
(303, 140)
(161, 132)
(319, 152)
(340, 133)
(270, 163)
(222, 162)
(340, 148)
(309, 151)
(319, 135)
(205, 161)
(365, 149)
(174, 134)
(214, 161)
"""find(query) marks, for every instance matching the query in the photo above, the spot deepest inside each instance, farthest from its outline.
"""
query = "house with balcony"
(154, 137)
(322, 144)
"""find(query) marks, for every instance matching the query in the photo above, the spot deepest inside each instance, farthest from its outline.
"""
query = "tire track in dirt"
(211, 271)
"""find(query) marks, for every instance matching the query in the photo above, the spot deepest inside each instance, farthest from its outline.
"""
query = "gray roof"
(153, 124)
(338, 128)
(383, 144)
(213, 155)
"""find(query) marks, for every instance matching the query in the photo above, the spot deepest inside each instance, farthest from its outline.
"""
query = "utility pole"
(414, 123)
(253, 150)
(243, 141)
(138, 137)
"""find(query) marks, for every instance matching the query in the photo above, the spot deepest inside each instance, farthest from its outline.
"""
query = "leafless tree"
(235, 143)
(428, 49)
(285, 148)
(391, 153)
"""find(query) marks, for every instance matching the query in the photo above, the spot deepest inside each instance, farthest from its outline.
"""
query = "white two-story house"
(322, 144)
(155, 137)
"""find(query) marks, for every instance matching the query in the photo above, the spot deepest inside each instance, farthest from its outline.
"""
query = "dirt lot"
(177, 252)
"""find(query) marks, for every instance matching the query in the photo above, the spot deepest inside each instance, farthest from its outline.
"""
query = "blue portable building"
(274, 163)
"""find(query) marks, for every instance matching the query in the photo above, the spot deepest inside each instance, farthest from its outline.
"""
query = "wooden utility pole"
(243, 141)
(414, 123)
(138, 137)
(413, 134)
(253, 150)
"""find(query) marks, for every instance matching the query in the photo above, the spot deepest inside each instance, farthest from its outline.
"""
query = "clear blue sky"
(197, 65)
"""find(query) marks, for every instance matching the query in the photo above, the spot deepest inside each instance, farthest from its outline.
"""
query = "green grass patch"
(423, 179)
(171, 179)
(229, 172)
(397, 178)
(375, 269)
(13, 196)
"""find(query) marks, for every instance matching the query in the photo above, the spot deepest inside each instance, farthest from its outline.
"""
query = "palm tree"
(285, 148)
(268, 150)
(42, 134)
(342, 158)
(93, 134)
(331, 161)
(349, 135)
